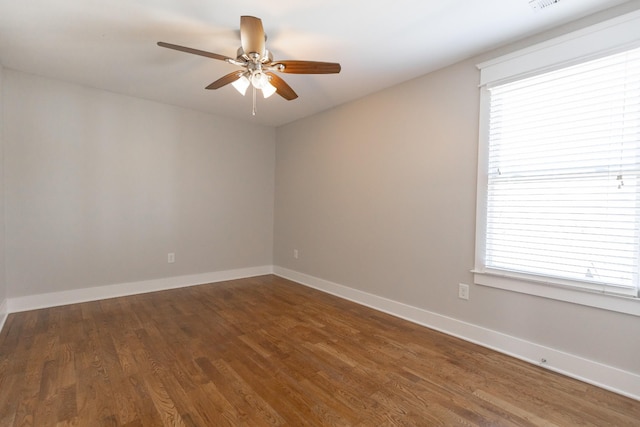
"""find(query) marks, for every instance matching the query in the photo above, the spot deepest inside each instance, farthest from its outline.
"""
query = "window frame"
(608, 37)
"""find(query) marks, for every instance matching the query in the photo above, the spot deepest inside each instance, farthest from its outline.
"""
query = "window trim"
(598, 40)
(617, 303)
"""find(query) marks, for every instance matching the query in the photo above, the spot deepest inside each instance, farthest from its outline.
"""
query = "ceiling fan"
(258, 65)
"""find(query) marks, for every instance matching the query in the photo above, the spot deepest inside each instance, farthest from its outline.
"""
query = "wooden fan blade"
(194, 51)
(225, 80)
(282, 88)
(252, 35)
(309, 67)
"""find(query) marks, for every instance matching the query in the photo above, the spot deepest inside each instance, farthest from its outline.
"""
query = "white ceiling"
(111, 44)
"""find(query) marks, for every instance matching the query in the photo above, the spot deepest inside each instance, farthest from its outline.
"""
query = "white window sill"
(620, 304)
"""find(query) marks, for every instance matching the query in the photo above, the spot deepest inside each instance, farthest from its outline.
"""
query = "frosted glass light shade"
(241, 85)
(268, 90)
(259, 80)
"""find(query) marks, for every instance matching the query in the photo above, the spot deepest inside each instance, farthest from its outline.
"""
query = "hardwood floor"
(266, 351)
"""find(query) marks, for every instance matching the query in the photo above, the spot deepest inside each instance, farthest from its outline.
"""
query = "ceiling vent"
(541, 4)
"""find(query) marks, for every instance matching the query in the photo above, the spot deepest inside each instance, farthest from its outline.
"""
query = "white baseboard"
(53, 299)
(604, 376)
(4, 312)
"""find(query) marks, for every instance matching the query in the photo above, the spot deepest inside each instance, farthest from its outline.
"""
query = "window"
(559, 170)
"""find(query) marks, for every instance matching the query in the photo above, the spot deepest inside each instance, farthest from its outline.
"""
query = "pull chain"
(254, 100)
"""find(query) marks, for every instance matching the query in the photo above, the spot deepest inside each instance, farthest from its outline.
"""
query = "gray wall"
(3, 287)
(100, 187)
(379, 195)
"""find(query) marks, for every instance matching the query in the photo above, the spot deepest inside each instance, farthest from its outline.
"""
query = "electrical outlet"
(171, 258)
(295, 253)
(463, 291)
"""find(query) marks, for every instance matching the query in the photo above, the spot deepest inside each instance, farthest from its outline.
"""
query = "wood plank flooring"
(266, 351)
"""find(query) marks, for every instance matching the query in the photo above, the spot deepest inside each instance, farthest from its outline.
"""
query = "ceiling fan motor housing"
(265, 58)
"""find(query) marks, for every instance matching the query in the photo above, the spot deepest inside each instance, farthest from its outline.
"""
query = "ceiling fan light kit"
(258, 64)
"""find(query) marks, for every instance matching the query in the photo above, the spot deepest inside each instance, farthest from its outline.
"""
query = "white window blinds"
(563, 191)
